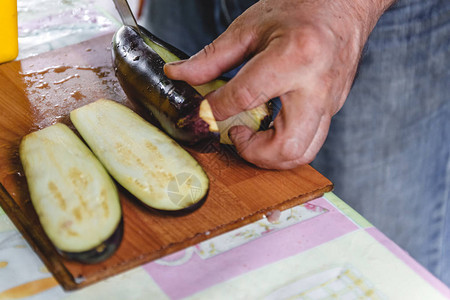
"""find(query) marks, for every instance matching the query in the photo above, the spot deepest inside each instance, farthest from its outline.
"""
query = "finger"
(314, 146)
(224, 53)
(299, 132)
(263, 77)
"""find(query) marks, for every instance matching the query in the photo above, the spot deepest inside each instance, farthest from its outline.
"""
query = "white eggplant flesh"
(73, 195)
(143, 159)
(253, 118)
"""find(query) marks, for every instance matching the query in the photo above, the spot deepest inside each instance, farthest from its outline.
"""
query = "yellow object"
(8, 30)
(29, 289)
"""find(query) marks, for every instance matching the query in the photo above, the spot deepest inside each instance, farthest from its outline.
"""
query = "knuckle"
(290, 150)
(246, 37)
(209, 49)
(308, 43)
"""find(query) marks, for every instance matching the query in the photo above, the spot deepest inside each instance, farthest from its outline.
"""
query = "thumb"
(224, 53)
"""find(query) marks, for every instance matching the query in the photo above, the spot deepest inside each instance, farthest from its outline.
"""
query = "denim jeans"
(388, 148)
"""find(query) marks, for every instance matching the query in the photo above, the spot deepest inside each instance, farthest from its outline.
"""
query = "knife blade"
(126, 14)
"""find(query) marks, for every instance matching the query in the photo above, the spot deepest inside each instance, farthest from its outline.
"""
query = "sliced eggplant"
(142, 158)
(181, 111)
(73, 195)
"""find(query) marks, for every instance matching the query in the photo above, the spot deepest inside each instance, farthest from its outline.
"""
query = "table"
(319, 250)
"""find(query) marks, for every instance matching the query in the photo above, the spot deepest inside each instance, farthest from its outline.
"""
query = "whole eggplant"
(181, 111)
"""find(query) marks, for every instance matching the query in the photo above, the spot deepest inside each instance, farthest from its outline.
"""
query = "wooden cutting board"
(41, 90)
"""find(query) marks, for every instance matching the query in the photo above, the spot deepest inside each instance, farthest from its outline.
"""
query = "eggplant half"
(73, 195)
(181, 109)
(142, 158)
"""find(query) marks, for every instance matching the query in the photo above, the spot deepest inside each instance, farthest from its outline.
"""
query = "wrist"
(367, 13)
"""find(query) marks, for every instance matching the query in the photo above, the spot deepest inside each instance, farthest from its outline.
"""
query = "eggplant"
(143, 159)
(181, 111)
(139, 60)
(74, 197)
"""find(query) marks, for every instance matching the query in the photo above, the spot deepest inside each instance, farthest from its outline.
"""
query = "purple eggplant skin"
(101, 252)
(175, 104)
(180, 212)
(162, 212)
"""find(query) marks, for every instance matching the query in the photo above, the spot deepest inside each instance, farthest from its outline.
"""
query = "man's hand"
(305, 52)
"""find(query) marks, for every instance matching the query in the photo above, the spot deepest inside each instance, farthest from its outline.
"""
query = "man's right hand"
(305, 52)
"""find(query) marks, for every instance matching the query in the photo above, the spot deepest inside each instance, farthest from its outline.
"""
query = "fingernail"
(175, 63)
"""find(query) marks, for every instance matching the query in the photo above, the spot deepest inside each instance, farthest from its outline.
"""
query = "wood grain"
(42, 90)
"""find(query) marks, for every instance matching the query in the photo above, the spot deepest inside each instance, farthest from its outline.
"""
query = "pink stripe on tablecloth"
(409, 261)
(198, 274)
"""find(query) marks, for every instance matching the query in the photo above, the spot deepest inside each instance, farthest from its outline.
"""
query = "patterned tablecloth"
(319, 250)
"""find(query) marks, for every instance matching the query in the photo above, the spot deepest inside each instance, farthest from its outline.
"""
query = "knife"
(126, 14)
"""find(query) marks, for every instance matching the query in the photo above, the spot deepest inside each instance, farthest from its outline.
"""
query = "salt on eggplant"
(142, 158)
